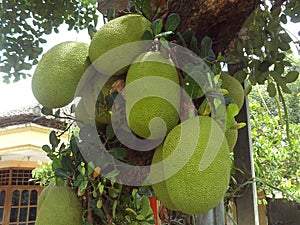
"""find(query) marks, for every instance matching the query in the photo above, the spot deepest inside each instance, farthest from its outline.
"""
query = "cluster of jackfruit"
(191, 167)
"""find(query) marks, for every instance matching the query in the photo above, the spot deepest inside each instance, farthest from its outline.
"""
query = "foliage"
(276, 161)
(43, 174)
(24, 25)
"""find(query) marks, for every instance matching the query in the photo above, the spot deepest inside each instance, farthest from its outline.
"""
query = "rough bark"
(219, 19)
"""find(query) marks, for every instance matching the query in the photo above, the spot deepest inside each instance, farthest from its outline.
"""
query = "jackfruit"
(152, 95)
(60, 207)
(58, 73)
(44, 194)
(117, 32)
(160, 188)
(93, 107)
(195, 167)
(234, 87)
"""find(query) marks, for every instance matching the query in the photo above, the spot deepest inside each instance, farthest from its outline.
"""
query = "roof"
(30, 114)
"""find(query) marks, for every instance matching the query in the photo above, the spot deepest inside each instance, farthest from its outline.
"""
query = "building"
(22, 135)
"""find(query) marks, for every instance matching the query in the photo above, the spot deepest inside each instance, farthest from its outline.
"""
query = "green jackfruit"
(160, 188)
(44, 194)
(117, 32)
(196, 166)
(234, 87)
(60, 207)
(58, 73)
(152, 95)
(90, 110)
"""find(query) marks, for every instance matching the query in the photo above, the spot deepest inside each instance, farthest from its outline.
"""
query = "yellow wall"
(24, 143)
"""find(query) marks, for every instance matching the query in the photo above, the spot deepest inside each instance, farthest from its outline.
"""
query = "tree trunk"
(221, 20)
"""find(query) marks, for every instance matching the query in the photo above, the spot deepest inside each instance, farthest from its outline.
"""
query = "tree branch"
(278, 3)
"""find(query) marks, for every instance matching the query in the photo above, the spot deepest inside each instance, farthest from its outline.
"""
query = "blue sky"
(19, 95)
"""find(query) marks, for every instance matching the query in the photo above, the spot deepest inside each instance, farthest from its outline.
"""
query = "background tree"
(276, 157)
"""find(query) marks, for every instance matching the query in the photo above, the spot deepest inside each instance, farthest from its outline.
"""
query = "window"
(18, 197)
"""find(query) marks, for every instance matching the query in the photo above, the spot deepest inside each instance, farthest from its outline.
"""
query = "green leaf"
(26, 66)
(74, 146)
(99, 204)
(284, 46)
(271, 89)
(140, 217)
(147, 35)
(283, 19)
(145, 206)
(54, 141)
(81, 169)
(285, 37)
(192, 88)
(247, 89)
(130, 210)
(204, 108)
(173, 22)
(110, 134)
(67, 164)
(231, 111)
(152, 221)
(264, 66)
(186, 37)
(206, 50)
(47, 111)
(112, 174)
(91, 168)
(57, 113)
(113, 192)
(100, 188)
(118, 153)
(128, 219)
(157, 26)
(60, 172)
(279, 68)
(238, 126)
(241, 76)
(83, 186)
(194, 45)
(292, 76)
(47, 148)
(281, 81)
(146, 8)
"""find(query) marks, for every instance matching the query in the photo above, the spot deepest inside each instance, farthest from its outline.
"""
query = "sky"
(18, 95)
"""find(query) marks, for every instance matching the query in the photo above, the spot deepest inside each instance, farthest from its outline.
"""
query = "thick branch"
(278, 3)
(218, 19)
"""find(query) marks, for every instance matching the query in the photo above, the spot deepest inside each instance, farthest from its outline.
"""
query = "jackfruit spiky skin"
(155, 78)
(44, 194)
(58, 73)
(191, 190)
(60, 207)
(160, 188)
(117, 32)
(234, 87)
